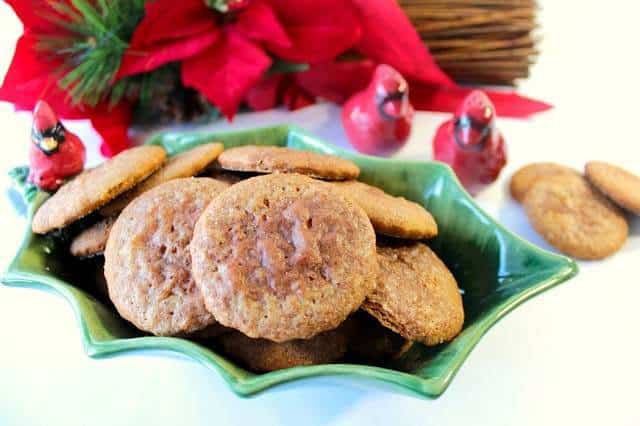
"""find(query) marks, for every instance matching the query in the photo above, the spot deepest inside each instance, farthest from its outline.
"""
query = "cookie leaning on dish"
(575, 218)
(273, 159)
(95, 187)
(283, 257)
(389, 215)
(147, 260)
(265, 355)
(92, 241)
(185, 164)
(619, 185)
(416, 295)
(371, 342)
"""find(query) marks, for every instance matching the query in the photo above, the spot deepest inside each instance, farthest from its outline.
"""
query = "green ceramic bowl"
(495, 269)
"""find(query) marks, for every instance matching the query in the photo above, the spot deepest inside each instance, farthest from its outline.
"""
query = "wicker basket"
(478, 41)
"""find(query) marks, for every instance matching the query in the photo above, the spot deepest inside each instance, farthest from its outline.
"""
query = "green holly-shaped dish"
(495, 269)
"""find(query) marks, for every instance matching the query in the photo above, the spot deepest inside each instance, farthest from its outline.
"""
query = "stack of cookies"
(582, 215)
(280, 256)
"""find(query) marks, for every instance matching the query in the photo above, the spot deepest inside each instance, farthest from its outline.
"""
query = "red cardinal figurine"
(378, 119)
(471, 144)
(54, 153)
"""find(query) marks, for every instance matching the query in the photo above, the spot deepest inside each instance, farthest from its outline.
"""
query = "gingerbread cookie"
(95, 187)
(416, 295)
(92, 241)
(575, 218)
(185, 164)
(526, 176)
(283, 257)
(270, 159)
(264, 355)
(147, 260)
(389, 215)
(621, 186)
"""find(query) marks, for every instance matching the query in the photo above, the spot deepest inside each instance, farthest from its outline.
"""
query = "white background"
(569, 356)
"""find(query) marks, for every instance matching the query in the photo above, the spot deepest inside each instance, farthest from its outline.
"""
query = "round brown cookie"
(185, 164)
(265, 355)
(370, 342)
(575, 218)
(394, 216)
(147, 260)
(283, 257)
(621, 186)
(92, 240)
(526, 176)
(269, 159)
(95, 187)
(416, 296)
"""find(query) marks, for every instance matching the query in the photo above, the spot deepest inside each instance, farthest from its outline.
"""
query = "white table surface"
(569, 356)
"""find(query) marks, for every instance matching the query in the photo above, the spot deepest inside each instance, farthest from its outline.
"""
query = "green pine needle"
(94, 37)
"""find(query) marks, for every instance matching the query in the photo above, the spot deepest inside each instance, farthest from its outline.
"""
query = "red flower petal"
(265, 94)
(225, 72)
(447, 99)
(258, 22)
(32, 14)
(336, 81)
(166, 20)
(319, 30)
(30, 78)
(112, 123)
(144, 59)
(388, 37)
(170, 31)
(294, 97)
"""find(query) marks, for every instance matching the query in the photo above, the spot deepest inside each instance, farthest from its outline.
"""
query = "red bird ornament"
(378, 119)
(471, 144)
(54, 153)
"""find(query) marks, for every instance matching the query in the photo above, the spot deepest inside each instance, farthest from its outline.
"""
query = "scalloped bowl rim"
(252, 384)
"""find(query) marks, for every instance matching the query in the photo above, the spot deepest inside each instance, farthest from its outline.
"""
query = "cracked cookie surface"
(283, 257)
(147, 259)
(270, 159)
(95, 187)
(524, 178)
(575, 218)
(621, 186)
(416, 295)
(185, 164)
(389, 215)
(93, 240)
(265, 355)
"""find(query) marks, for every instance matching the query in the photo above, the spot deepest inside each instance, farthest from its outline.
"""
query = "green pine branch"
(93, 38)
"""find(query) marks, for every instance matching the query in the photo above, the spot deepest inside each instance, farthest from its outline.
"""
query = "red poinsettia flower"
(34, 75)
(224, 56)
(388, 37)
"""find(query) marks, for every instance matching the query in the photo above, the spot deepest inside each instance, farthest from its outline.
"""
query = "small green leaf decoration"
(27, 189)
(19, 174)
